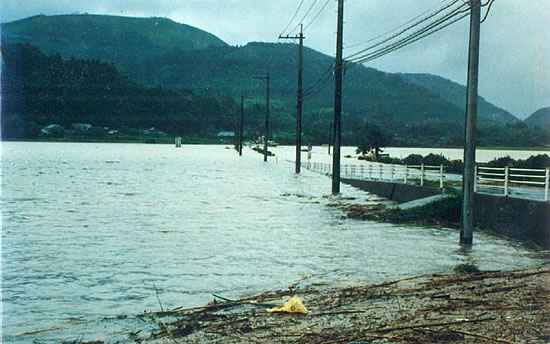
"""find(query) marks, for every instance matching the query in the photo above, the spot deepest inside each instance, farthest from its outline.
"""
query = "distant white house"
(226, 134)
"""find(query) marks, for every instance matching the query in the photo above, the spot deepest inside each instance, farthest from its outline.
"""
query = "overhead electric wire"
(317, 15)
(323, 79)
(396, 28)
(490, 3)
(405, 30)
(411, 38)
(438, 24)
(304, 17)
(319, 90)
(293, 17)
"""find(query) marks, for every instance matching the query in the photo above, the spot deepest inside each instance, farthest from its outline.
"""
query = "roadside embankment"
(521, 219)
(485, 307)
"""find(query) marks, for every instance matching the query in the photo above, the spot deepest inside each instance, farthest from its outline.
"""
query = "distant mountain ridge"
(160, 52)
(120, 40)
(456, 94)
(540, 118)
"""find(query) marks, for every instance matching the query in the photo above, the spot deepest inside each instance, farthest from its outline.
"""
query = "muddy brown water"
(89, 230)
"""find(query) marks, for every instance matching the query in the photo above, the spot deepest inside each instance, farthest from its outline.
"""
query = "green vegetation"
(182, 81)
(121, 40)
(39, 90)
(371, 138)
(443, 212)
(540, 118)
(466, 268)
(456, 93)
(535, 161)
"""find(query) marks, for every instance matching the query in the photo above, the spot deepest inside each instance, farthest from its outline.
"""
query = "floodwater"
(89, 231)
(320, 154)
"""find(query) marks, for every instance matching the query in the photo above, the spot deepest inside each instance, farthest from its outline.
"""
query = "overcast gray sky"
(515, 49)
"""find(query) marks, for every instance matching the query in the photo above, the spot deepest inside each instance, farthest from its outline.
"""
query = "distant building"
(53, 130)
(226, 134)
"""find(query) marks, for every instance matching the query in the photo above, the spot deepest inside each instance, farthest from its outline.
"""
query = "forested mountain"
(183, 80)
(456, 94)
(540, 118)
(121, 40)
(159, 52)
(38, 90)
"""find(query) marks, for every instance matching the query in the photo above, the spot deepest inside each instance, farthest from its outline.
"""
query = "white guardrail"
(488, 177)
(506, 177)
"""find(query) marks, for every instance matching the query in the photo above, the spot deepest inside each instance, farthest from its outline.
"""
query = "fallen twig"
(390, 329)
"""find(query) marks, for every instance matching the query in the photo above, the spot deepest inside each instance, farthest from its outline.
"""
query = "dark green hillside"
(121, 40)
(39, 90)
(456, 94)
(160, 52)
(229, 70)
(540, 118)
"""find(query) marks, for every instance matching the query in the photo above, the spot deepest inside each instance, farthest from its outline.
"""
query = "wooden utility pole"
(330, 137)
(300, 37)
(241, 126)
(466, 234)
(338, 101)
(267, 78)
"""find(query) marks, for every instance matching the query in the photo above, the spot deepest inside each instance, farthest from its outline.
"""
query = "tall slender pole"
(241, 126)
(338, 101)
(300, 37)
(266, 116)
(466, 235)
(330, 137)
(266, 138)
(299, 103)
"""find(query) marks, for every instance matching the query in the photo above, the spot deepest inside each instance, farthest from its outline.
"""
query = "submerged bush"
(466, 268)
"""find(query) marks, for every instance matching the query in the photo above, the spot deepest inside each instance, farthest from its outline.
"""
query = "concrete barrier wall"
(521, 219)
(399, 193)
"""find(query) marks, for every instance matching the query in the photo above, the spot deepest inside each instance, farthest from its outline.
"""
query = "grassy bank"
(440, 213)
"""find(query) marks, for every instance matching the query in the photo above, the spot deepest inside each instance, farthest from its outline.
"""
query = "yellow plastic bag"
(294, 305)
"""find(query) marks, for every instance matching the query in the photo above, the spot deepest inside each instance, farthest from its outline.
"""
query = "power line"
(317, 15)
(411, 40)
(433, 27)
(406, 29)
(490, 3)
(415, 36)
(394, 29)
(325, 78)
(293, 17)
(304, 17)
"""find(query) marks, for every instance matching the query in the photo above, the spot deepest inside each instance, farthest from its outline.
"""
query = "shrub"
(502, 162)
(435, 160)
(413, 159)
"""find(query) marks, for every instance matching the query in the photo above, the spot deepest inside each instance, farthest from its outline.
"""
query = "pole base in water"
(465, 241)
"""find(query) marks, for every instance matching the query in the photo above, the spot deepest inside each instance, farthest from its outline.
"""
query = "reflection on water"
(88, 229)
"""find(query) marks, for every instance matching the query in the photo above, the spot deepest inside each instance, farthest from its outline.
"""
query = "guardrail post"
(441, 176)
(506, 179)
(422, 175)
(362, 171)
(546, 183)
(406, 173)
(475, 179)
(381, 170)
(392, 171)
